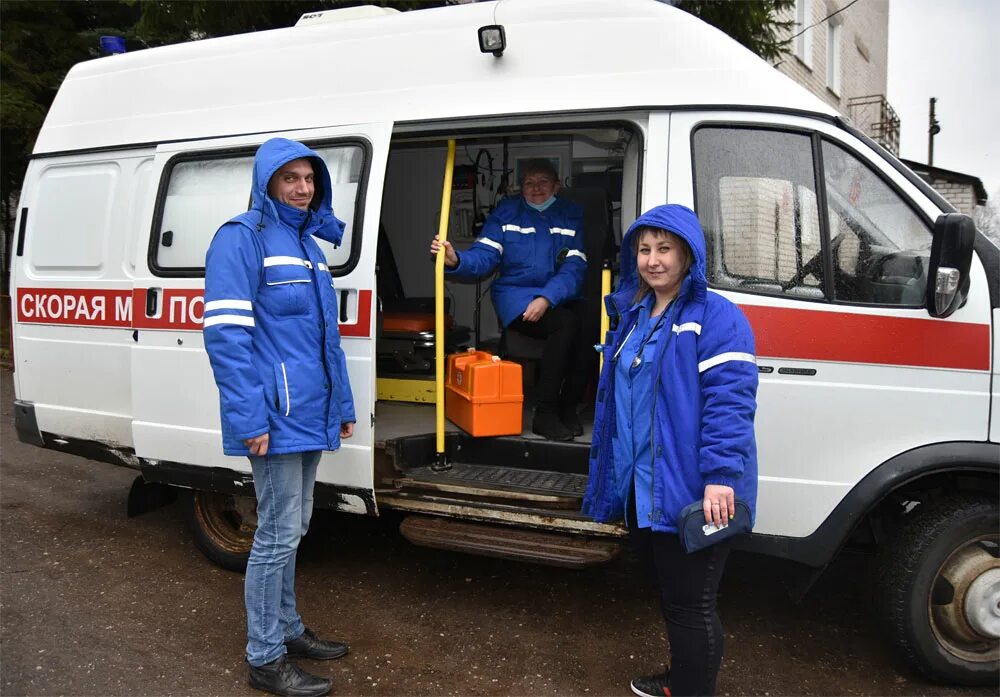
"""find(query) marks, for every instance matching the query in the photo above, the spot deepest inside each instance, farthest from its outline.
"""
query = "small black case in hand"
(696, 535)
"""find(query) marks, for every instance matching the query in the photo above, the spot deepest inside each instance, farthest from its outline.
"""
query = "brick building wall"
(960, 195)
(964, 191)
(864, 50)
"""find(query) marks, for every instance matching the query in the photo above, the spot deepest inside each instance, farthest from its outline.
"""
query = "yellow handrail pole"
(605, 320)
(449, 167)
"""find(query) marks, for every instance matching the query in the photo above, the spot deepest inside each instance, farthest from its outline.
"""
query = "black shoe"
(311, 646)
(548, 425)
(282, 677)
(652, 686)
(571, 421)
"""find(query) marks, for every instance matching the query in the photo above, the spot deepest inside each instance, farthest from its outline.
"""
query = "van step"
(556, 489)
(517, 544)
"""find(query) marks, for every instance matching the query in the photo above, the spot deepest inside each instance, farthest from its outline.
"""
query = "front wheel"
(223, 526)
(940, 586)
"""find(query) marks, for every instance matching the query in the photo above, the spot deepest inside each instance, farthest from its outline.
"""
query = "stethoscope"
(637, 361)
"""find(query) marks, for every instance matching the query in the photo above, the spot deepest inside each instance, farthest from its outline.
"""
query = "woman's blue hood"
(272, 156)
(681, 221)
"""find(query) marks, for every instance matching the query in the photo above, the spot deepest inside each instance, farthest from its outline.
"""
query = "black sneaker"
(571, 421)
(652, 685)
(282, 677)
(548, 425)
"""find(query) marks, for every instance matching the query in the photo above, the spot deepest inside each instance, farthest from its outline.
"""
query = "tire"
(223, 527)
(940, 569)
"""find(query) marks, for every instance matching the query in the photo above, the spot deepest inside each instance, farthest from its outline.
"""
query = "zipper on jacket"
(652, 424)
(314, 268)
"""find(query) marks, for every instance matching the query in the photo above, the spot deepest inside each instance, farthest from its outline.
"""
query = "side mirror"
(951, 257)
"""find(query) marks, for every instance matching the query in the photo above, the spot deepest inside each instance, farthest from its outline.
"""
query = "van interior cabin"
(597, 166)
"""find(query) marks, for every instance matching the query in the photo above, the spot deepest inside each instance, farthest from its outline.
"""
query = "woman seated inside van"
(536, 240)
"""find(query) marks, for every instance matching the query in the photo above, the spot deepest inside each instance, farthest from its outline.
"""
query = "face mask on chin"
(543, 205)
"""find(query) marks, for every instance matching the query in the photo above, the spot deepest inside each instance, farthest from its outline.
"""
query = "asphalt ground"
(95, 603)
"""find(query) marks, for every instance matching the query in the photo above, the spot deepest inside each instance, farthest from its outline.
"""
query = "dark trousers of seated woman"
(568, 356)
(688, 585)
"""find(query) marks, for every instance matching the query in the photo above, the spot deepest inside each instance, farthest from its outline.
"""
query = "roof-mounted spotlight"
(492, 39)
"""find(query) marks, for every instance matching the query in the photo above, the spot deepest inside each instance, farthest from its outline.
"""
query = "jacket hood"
(681, 221)
(272, 156)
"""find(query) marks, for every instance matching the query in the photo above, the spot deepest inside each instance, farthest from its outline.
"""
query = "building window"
(833, 65)
(803, 42)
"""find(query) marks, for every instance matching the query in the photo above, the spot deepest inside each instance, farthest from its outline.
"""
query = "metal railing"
(875, 116)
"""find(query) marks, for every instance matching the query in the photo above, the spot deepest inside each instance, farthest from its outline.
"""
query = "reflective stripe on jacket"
(540, 254)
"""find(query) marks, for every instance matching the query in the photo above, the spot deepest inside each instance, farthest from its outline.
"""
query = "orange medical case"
(483, 394)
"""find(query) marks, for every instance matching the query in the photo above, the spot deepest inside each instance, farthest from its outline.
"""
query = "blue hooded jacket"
(271, 317)
(705, 391)
(540, 254)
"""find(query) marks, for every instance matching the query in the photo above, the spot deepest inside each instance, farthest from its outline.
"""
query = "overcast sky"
(949, 49)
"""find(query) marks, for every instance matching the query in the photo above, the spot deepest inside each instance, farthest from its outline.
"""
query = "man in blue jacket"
(272, 338)
(536, 240)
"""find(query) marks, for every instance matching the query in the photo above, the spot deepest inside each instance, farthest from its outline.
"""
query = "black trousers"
(568, 360)
(688, 585)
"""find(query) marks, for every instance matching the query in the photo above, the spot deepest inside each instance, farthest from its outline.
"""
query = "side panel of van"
(825, 250)
(200, 186)
(72, 270)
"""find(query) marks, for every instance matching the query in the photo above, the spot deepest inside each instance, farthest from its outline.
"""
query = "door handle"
(152, 301)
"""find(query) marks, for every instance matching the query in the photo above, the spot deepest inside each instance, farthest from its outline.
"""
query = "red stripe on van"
(855, 338)
(364, 323)
(177, 309)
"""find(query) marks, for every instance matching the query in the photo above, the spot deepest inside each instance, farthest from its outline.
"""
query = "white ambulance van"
(874, 304)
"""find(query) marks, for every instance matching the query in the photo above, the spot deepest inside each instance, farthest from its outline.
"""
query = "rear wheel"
(223, 526)
(940, 586)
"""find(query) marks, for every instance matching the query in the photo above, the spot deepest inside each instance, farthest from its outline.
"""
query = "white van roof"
(562, 56)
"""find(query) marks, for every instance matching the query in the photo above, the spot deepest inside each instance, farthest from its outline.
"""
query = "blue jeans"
(284, 486)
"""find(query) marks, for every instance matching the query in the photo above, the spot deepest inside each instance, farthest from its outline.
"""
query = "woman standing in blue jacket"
(674, 425)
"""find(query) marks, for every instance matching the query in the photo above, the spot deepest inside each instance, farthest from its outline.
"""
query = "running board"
(531, 487)
(517, 544)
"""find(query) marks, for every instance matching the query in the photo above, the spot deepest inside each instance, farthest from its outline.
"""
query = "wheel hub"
(982, 604)
(964, 611)
(230, 521)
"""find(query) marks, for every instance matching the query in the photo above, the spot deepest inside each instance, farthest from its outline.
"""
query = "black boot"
(570, 420)
(548, 425)
(282, 677)
(311, 646)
